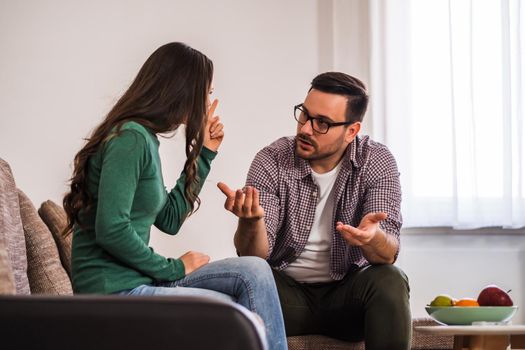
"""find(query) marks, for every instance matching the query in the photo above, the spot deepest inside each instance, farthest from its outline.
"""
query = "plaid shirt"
(368, 181)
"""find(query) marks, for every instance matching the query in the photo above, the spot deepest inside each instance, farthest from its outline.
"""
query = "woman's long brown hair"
(170, 89)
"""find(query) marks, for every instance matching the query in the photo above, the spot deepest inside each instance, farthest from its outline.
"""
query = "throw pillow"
(11, 230)
(56, 220)
(44, 270)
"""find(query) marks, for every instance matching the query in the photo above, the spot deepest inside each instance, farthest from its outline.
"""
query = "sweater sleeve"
(174, 212)
(123, 160)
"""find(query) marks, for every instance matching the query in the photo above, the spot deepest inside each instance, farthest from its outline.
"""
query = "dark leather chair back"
(126, 322)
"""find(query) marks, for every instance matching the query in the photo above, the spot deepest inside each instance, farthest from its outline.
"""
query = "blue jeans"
(247, 281)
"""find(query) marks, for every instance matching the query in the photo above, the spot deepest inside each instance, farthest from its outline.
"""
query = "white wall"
(63, 64)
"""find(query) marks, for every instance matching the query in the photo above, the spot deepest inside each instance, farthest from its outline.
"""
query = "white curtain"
(446, 82)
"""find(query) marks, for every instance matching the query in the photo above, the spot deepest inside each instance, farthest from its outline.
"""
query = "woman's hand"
(193, 260)
(214, 132)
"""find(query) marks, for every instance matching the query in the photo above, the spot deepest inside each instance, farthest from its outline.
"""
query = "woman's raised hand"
(214, 132)
(193, 260)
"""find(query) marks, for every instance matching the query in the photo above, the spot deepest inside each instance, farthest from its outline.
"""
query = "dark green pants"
(370, 303)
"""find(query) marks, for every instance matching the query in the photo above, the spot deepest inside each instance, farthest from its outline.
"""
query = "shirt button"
(307, 228)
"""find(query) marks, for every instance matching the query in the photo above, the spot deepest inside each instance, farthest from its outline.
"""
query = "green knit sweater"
(110, 252)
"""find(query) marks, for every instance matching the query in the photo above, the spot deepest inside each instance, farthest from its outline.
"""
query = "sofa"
(38, 309)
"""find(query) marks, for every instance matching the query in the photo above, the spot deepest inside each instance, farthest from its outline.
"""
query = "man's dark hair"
(346, 85)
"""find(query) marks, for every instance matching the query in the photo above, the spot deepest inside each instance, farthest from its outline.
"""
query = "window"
(447, 98)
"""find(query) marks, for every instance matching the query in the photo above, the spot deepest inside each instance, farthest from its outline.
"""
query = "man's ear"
(352, 131)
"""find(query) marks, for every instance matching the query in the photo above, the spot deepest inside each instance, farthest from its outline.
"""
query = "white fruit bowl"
(466, 315)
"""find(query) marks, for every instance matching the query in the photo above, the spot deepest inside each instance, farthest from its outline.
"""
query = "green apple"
(442, 300)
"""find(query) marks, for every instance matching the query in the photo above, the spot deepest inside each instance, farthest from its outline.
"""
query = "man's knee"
(388, 279)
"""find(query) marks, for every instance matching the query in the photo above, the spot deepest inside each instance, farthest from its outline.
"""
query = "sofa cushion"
(44, 269)
(56, 220)
(11, 230)
(7, 282)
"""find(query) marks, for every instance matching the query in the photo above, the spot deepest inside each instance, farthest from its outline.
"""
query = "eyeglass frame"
(301, 108)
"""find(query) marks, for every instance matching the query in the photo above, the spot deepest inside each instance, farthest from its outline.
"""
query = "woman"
(117, 194)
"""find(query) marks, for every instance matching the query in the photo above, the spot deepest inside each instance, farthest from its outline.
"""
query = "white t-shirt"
(313, 265)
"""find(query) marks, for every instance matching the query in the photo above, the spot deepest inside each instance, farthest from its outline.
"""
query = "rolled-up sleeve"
(263, 175)
(383, 191)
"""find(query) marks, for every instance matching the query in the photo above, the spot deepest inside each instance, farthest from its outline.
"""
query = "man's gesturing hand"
(193, 260)
(365, 233)
(243, 203)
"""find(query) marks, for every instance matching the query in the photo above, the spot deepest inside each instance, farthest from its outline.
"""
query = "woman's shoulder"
(134, 129)
(131, 134)
(135, 126)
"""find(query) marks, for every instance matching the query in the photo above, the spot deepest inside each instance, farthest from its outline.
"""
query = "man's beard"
(315, 154)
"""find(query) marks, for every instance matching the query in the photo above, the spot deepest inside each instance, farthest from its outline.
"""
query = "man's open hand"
(365, 232)
(243, 203)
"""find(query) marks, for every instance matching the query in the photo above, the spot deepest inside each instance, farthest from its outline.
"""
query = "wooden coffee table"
(488, 337)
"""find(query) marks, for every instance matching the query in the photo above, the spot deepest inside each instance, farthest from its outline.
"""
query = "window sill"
(485, 231)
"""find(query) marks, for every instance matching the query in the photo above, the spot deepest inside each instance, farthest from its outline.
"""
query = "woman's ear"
(352, 131)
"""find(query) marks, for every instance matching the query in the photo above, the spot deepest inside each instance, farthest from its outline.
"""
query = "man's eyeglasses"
(319, 124)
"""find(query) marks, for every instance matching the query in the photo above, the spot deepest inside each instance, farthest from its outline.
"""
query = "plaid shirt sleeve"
(383, 192)
(263, 175)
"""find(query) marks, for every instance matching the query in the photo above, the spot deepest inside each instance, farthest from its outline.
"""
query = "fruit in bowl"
(446, 300)
(442, 300)
(493, 295)
(467, 302)
(492, 305)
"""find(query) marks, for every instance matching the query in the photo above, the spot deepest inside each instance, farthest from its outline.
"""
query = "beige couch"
(35, 260)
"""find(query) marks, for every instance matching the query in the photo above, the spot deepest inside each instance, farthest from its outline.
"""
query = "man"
(323, 208)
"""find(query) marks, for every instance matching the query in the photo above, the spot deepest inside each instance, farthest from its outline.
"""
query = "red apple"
(494, 296)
